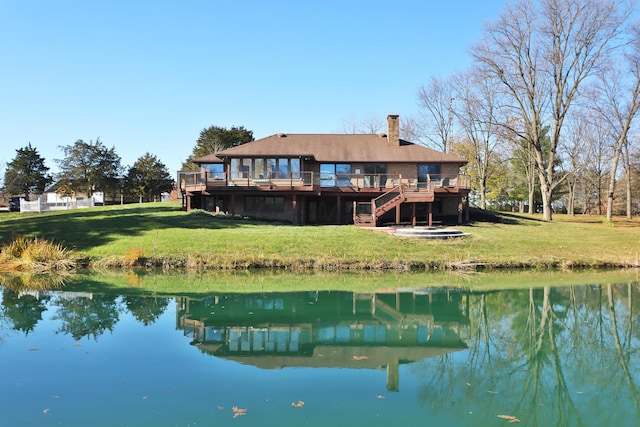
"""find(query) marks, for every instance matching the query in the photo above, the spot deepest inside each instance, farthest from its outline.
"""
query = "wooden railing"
(197, 181)
(453, 181)
(390, 196)
(369, 212)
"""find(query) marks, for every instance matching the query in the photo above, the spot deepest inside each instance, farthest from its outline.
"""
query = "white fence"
(43, 206)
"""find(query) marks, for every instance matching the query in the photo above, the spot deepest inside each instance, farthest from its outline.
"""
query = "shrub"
(35, 255)
(134, 255)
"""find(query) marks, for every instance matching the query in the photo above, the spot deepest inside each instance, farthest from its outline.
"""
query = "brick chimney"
(393, 130)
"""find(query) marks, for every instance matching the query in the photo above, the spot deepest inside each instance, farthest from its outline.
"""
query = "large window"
(214, 170)
(335, 174)
(266, 204)
(259, 170)
(265, 168)
(375, 174)
(283, 168)
(428, 172)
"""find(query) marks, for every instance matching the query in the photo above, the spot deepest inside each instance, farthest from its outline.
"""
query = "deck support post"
(466, 209)
(398, 213)
(294, 203)
(460, 208)
(413, 214)
(338, 210)
(232, 208)
(430, 214)
(188, 203)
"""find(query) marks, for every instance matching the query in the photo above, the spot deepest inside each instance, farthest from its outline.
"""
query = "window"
(266, 204)
(427, 172)
(246, 168)
(235, 168)
(295, 168)
(375, 175)
(332, 174)
(283, 168)
(343, 174)
(259, 168)
(214, 170)
(272, 167)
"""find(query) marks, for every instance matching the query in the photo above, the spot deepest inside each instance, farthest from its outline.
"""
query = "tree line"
(86, 168)
(89, 167)
(546, 113)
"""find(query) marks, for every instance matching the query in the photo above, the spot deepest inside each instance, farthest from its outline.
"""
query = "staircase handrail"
(390, 195)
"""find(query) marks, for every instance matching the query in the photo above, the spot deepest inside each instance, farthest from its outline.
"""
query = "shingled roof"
(334, 148)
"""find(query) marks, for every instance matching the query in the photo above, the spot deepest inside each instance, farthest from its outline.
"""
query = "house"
(367, 180)
(53, 200)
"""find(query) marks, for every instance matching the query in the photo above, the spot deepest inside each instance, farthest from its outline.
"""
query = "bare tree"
(628, 170)
(436, 99)
(411, 129)
(476, 113)
(578, 137)
(618, 105)
(542, 52)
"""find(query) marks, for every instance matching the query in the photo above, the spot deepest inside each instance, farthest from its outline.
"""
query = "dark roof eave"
(265, 156)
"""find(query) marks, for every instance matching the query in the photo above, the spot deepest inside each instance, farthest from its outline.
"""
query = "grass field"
(163, 235)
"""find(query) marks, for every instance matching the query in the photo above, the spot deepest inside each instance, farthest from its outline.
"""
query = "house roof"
(334, 148)
(209, 158)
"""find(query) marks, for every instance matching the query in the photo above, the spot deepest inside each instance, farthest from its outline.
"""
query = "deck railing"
(197, 181)
(457, 181)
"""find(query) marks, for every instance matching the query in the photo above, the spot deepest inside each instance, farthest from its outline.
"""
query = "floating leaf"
(379, 396)
(298, 404)
(238, 412)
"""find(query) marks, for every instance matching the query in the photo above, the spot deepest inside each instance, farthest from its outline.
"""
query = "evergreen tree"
(90, 167)
(26, 174)
(148, 178)
(214, 139)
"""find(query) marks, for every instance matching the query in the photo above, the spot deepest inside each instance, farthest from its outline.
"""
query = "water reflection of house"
(328, 329)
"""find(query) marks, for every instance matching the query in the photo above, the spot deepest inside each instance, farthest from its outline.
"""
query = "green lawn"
(163, 234)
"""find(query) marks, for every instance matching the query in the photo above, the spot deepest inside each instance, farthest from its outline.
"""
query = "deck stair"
(391, 200)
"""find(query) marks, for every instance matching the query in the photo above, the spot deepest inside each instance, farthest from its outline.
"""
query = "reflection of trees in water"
(146, 309)
(623, 344)
(22, 312)
(87, 317)
(561, 356)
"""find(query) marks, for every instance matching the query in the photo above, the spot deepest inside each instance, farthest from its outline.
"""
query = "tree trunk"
(629, 207)
(571, 199)
(627, 169)
(483, 194)
(612, 178)
(545, 190)
(531, 187)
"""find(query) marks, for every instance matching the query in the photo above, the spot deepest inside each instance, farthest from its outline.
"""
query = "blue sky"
(148, 76)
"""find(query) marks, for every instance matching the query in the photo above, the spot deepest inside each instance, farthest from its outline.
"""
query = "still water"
(538, 356)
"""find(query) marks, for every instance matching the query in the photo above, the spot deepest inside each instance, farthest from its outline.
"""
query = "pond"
(93, 353)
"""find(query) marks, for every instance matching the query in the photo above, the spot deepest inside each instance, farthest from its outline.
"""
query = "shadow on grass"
(88, 228)
(477, 215)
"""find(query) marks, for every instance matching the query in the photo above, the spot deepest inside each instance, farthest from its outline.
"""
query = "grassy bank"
(163, 235)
